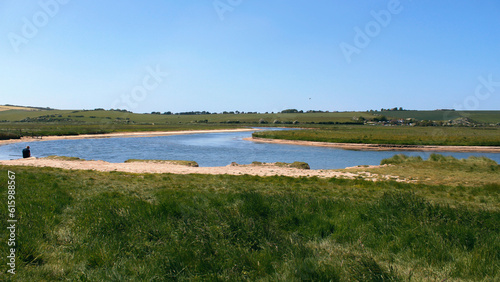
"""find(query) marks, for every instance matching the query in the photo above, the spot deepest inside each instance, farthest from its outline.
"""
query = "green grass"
(446, 170)
(97, 226)
(177, 162)
(399, 135)
(299, 165)
(100, 116)
(16, 123)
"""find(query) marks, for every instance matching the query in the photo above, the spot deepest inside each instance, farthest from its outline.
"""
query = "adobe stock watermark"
(153, 78)
(139, 93)
(11, 222)
(31, 26)
(223, 6)
(363, 36)
(484, 89)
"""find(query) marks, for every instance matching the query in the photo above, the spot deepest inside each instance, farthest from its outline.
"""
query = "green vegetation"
(16, 122)
(486, 117)
(63, 158)
(100, 226)
(446, 170)
(400, 135)
(299, 165)
(176, 162)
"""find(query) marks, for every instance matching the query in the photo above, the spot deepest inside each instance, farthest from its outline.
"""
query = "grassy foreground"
(400, 135)
(94, 226)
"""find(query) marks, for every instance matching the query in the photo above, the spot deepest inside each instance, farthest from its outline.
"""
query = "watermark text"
(11, 221)
(363, 36)
(31, 26)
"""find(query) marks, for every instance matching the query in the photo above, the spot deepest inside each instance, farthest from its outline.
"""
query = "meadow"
(16, 123)
(325, 126)
(400, 135)
(97, 226)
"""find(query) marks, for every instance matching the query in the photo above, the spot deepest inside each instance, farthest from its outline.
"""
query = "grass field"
(101, 116)
(488, 117)
(35, 121)
(401, 135)
(8, 108)
(65, 122)
(94, 226)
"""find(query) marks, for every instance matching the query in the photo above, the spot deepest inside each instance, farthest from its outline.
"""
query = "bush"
(300, 165)
(176, 162)
(401, 158)
(441, 158)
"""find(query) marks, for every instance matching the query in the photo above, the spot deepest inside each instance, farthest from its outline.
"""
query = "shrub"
(401, 158)
(176, 162)
(300, 165)
(8, 135)
(441, 158)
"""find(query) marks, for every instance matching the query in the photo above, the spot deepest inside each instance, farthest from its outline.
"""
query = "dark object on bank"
(26, 152)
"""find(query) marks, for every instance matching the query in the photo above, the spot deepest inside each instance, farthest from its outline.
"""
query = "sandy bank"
(381, 147)
(141, 167)
(123, 135)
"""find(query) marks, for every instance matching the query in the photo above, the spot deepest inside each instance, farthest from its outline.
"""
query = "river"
(210, 149)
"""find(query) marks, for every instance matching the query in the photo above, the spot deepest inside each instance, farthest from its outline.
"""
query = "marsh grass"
(443, 170)
(101, 226)
(176, 162)
(397, 135)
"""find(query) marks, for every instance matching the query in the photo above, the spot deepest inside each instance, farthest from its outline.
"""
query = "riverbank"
(346, 146)
(154, 167)
(122, 135)
(380, 147)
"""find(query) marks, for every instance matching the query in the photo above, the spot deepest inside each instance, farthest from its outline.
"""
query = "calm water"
(210, 149)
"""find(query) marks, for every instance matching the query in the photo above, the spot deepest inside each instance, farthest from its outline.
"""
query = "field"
(87, 225)
(443, 224)
(487, 117)
(8, 108)
(400, 135)
(19, 122)
(65, 122)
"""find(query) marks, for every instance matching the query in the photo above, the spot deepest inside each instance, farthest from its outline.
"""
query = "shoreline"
(122, 135)
(152, 167)
(379, 147)
(345, 146)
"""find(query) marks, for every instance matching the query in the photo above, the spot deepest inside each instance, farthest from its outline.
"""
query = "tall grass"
(84, 225)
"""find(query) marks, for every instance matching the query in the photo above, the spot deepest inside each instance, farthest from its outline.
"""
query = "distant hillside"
(22, 108)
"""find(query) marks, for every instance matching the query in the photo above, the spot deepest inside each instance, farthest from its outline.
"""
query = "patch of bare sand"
(381, 147)
(141, 167)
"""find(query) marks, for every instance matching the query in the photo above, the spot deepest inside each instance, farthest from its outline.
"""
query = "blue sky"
(247, 55)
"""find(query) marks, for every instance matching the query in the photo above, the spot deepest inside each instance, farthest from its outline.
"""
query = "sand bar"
(381, 147)
(141, 167)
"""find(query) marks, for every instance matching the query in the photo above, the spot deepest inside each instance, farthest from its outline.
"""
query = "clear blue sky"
(250, 55)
